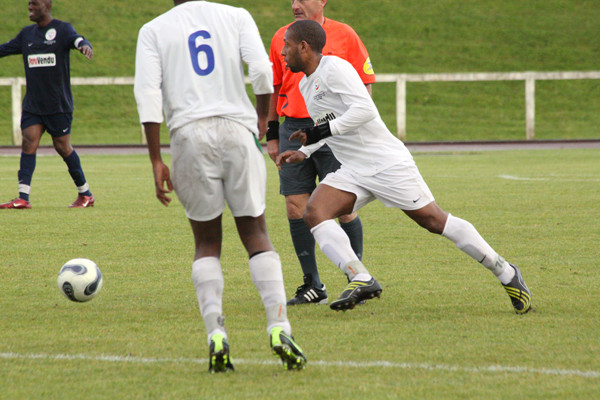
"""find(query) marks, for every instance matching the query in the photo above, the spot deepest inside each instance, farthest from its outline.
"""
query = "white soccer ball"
(80, 279)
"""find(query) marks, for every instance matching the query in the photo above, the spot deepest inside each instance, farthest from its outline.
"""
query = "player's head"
(39, 10)
(303, 41)
(308, 9)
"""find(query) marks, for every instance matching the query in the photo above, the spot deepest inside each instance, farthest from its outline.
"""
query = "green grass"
(443, 321)
(411, 36)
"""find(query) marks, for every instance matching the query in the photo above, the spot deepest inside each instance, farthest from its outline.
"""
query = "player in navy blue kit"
(48, 103)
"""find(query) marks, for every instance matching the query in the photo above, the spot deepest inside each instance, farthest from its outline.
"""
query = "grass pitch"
(444, 328)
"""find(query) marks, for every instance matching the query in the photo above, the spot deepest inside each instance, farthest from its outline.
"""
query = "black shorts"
(57, 125)
(301, 178)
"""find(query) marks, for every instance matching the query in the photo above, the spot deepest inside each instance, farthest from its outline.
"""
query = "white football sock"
(209, 283)
(507, 275)
(465, 237)
(265, 269)
(334, 242)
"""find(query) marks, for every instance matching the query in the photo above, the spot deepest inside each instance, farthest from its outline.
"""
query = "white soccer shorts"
(216, 160)
(400, 186)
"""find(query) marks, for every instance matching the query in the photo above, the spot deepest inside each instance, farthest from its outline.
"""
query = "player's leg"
(402, 186)
(325, 163)
(467, 238)
(297, 181)
(209, 283)
(244, 185)
(195, 179)
(265, 269)
(59, 126)
(32, 130)
(325, 204)
(312, 291)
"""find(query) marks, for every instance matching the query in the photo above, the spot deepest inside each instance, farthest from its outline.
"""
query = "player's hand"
(273, 149)
(262, 128)
(162, 176)
(87, 51)
(299, 136)
(316, 133)
(290, 156)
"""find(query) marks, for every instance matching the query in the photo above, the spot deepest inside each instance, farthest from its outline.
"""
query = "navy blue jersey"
(47, 65)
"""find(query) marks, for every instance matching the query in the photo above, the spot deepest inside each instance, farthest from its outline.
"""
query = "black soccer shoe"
(355, 292)
(218, 357)
(519, 293)
(284, 346)
(307, 294)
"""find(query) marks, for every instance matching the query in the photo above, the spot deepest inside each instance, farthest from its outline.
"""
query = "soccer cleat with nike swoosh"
(355, 292)
(16, 204)
(519, 293)
(83, 202)
(284, 346)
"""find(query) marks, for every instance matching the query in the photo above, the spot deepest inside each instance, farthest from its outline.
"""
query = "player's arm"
(11, 47)
(160, 170)
(296, 156)
(263, 102)
(78, 42)
(259, 67)
(273, 125)
(344, 81)
(148, 96)
(84, 47)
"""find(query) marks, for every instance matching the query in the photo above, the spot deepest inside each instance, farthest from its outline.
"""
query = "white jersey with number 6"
(190, 66)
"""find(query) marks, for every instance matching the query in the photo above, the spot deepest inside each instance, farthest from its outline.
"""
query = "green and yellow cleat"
(218, 358)
(284, 346)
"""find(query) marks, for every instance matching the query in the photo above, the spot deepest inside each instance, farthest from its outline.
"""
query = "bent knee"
(295, 206)
(312, 217)
(348, 217)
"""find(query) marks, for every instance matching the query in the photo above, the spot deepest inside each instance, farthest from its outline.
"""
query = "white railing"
(528, 77)
(400, 79)
(17, 83)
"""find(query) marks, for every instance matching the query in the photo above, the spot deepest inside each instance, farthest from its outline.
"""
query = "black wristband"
(316, 133)
(272, 130)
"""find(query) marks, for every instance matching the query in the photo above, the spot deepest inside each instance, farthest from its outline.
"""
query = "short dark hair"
(309, 31)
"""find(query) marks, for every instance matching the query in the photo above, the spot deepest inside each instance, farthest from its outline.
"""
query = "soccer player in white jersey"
(375, 165)
(189, 64)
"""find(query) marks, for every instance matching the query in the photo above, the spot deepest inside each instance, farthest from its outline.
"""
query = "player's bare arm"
(263, 102)
(273, 130)
(160, 170)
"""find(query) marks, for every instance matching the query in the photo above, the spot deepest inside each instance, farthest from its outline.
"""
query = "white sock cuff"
(449, 228)
(266, 267)
(206, 269)
(354, 268)
(214, 323)
(83, 188)
(315, 230)
(24, 188)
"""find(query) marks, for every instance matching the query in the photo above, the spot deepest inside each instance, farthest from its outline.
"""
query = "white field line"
(554, 179)
(342, 364)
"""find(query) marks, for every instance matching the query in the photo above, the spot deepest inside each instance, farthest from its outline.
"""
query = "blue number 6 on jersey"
(203, 48)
